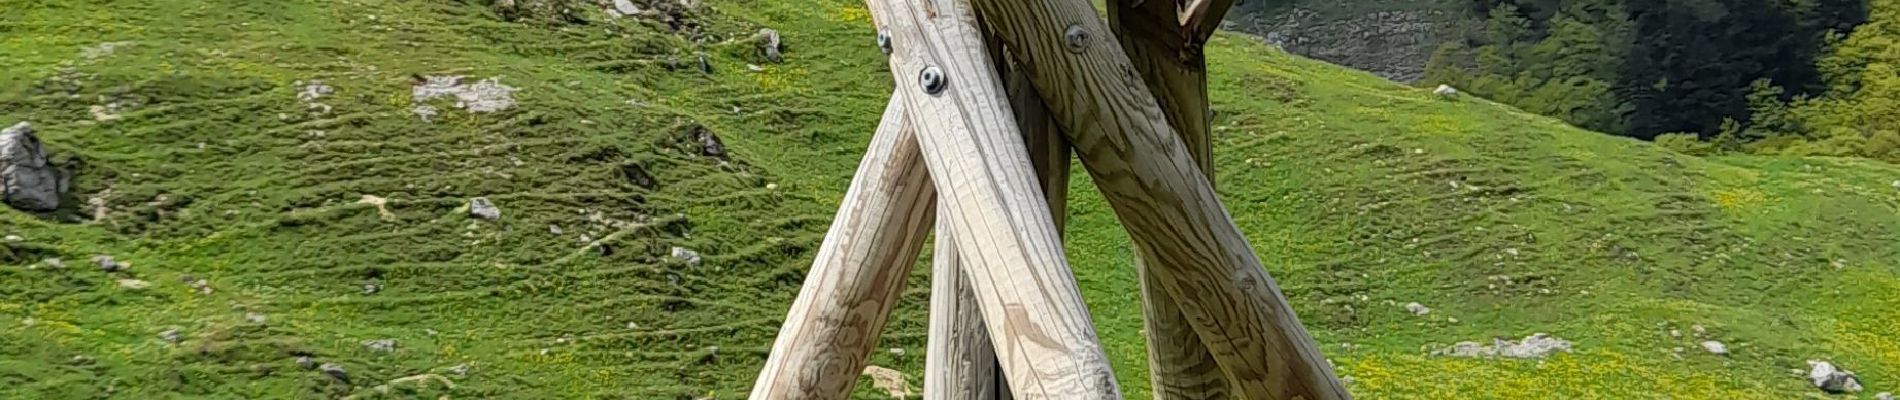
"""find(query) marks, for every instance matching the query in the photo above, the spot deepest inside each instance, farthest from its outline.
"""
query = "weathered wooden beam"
(858, 273)
(961, 364)
(1001, 225)
(1158, 191)
(1169, 59)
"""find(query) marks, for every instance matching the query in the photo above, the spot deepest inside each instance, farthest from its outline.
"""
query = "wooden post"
(1003, 232)
(1166, 49)
(858, 273)
(961, 364)
(1160, 194)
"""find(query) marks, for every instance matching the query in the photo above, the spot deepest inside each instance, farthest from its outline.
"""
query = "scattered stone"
(102, 113)
(102, 50)
(459, 370)
(306, 363)
(134, 284)
(380, 345)
(1699, 330)
(1445, 92)
(709, 144)
(897, 352)
(554, 229)
(14, 238)
(888, 380)
(53, 263)
(314, 90)
(371, 288)
(485, 96)
(1451, 319)
(1417, 309)
(1537, 345)
(769, 45)
(1714, 347)
(107, 264)
(1831, 379)
(633, 325)
(687, 256)
(27, 180)
(381, 204)
(255, 318)
(81, 360)
(170, 336)
(335, 371)
(1884, 396)
(705, 65)
(480, 207)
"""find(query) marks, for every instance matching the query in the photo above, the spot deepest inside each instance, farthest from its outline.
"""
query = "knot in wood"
(933, 80)
(1076, 38)
(884, 42)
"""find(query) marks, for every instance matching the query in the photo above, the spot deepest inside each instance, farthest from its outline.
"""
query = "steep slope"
(1364, 195)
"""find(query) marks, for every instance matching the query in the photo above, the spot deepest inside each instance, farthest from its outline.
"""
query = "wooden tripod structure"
(992, 96)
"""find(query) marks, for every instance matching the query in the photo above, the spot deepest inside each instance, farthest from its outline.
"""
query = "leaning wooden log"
(961, 362)
(858, 273)
(1167, 53)
(1169, 208)
(1000, 223)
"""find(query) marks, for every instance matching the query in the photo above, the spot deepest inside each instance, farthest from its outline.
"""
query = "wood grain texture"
(858, 273)
(1000, 222)
(1150, 178)
(961, 364)
(1169, 60)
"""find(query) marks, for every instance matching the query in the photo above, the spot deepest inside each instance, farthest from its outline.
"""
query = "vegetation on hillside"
(1643, 68)
(657, 213)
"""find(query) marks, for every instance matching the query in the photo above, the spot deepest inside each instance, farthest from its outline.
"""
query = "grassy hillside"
(1363, 195)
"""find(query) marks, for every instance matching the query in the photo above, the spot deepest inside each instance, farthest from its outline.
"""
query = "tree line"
(1801, 77)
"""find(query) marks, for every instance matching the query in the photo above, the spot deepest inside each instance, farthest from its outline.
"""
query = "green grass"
(1341, 181)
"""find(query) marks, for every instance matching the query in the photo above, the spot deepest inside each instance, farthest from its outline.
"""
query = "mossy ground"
(215, 170)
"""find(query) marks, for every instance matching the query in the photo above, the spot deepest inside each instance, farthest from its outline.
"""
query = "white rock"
(27, 180)
(1715, 347)
(1445, 91)
(1537, 345)
(1831, 379)
(134, 284)
(626, 7)
(1884, 396)
(687, 256)
(1417, 309)
(480, 207)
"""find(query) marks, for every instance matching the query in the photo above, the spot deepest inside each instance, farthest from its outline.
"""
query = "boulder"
(480, 207)
(27, 180)
(1716, 348)
(769, 45)
(1445, 91)
(1831, 379)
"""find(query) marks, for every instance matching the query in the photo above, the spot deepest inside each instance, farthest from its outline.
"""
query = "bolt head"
(884, 42)
(933, 80)
(1075, 38)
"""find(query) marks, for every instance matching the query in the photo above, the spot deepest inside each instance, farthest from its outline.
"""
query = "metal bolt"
(933, 80)
(884, 42)
(1076, 38)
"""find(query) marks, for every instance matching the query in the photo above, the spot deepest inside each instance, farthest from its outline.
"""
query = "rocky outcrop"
(27, 180)
(1390, 38)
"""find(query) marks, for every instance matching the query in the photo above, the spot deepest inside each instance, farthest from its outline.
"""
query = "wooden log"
(1001, 225)
(1168, 56)
(858, 273)
(961, 362)
(1169, 207)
